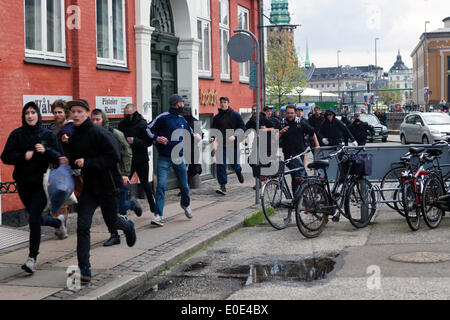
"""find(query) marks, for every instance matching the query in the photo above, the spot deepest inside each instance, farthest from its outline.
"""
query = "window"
(111, 48)
(224, 26)
(243, 23)
(204, 35)
(44, 29)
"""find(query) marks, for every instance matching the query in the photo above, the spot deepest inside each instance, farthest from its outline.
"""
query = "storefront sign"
(112, 106)
(44, 102)
(209, 98)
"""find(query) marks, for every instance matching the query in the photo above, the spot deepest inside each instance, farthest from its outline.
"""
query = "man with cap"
(360, 130)
(95, 151)
(227, 120)
(160, 130)
(333, 131)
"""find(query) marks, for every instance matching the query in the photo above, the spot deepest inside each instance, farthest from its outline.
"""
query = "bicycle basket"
(361, 165)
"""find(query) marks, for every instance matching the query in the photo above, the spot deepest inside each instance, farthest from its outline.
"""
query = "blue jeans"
(296, 163)
(222, 168)
(124, 204)
(163, 167)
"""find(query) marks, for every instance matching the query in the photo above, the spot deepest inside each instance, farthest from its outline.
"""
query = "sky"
(352, 26)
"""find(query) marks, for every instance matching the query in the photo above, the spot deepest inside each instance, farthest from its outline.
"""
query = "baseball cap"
(174, 99)
(267, 108)
(298, 108)
(79, 102)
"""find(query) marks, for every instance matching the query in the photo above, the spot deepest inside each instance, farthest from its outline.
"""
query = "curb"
(132, 285)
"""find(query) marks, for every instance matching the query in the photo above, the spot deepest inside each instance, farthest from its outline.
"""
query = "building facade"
(431, 66)
(116, 52)
(401, 77)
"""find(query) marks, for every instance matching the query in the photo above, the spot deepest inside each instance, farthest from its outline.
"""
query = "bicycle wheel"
(310, 216)
(411, 205)
(432, 190)
(276, 205)
(391, 180)
(360, 203)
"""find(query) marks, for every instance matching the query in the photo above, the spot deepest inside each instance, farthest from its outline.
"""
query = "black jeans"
(87, 203)
(142, 169)
(34, 200)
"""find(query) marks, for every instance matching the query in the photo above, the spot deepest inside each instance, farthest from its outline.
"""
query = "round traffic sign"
(241, 47)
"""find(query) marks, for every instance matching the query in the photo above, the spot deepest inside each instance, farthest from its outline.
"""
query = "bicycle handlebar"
(298, 156)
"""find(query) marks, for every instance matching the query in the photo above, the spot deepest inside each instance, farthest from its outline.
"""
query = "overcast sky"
(352, 26)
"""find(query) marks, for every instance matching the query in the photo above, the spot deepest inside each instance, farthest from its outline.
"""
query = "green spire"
(307, 62)
(280, 12)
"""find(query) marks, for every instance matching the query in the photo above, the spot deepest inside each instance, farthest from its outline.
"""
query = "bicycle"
(276, 195)
(316, 201)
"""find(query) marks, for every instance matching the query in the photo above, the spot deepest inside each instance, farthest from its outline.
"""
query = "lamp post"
(338, 75)
(376, 68)
(426, 22)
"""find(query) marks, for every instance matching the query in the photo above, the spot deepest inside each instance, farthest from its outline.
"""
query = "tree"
(390, 97)
(283, 73)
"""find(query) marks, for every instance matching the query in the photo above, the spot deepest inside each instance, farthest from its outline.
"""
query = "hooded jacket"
(24, 139)
(101, 153)
(335, 131)
(126, 154)
(163, 126)
(135, 127)
(360, 130)
(228, 119)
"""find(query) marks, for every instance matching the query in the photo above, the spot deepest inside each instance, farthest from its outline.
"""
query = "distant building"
(401, 77)
(431, 66)
(280, 20)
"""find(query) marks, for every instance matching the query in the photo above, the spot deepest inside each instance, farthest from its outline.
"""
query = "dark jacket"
(135, 128)
(235, 122)
(316, 123)
(292, 141)
(346, 121)
(335, 131)
(24, 139)
(276, 122)
(263, 121)
(360, 130)
(101, 153)
(163, 126)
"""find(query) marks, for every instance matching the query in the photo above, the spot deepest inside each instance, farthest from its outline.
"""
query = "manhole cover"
(421, 257)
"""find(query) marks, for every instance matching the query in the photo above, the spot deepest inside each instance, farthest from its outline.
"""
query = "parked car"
(381, 131)
(426, 128)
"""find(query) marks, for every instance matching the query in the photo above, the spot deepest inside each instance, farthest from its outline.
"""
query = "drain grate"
(11, 237)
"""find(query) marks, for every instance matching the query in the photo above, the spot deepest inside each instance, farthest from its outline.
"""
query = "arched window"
(161, 16)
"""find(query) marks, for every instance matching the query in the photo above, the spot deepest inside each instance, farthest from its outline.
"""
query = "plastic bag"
(60, 186)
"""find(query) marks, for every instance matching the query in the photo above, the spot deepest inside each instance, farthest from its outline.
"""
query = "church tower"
(280, 20)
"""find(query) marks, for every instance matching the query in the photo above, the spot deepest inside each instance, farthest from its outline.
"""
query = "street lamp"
(426, 22)
(376, 67)
(338, 75)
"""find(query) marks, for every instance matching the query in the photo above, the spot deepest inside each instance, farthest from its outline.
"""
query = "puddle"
(304, 271)
(197, 266)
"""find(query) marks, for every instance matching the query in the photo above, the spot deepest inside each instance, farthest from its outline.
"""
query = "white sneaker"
(30, 265)
(61, 232)
(158, 221)
(187, 211)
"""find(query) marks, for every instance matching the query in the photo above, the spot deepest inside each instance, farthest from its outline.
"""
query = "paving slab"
(25, 293)
(54, 278)
(105, 257)
(9, 271)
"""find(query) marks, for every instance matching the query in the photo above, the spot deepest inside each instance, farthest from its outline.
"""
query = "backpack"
(298, 122)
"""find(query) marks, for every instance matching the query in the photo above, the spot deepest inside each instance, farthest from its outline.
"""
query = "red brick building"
(115, 52)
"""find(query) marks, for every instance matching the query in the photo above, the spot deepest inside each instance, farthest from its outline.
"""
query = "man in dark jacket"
(360, 130)
(134, 128)
(333, 131)
(96, 152)
(230, 120)
(161, 130)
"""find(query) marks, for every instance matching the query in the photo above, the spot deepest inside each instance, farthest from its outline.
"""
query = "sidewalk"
(117, 270)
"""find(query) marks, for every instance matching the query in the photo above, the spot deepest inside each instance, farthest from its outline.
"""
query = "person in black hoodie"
(96, 152)
(134, 128)
(360, 130)
(30, 148)
(333, 131)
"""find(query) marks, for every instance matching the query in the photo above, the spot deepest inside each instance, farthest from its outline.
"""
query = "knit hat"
(174, 99)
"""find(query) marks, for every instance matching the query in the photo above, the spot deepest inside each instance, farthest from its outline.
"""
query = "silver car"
(425, 127)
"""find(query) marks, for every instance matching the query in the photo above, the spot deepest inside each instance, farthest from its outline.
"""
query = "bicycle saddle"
(434, 152)
(416, 150)
(320, 164)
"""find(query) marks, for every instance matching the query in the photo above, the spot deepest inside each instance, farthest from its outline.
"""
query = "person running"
(133, 127)
(96, 152)
(98, 117)
(160, 130)
(227, 119)
(360, 130)
(292, 141)
(334, 132)
(30, 148)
